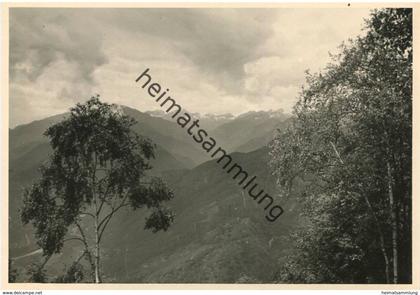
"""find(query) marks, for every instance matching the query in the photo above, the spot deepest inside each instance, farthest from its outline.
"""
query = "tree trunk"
(97, 261)
(378, 226)
(97, 253)
(381, 240)
(87, 250)
(394, 225)
(386, 261)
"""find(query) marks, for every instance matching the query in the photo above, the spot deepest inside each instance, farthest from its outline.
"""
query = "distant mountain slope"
(249, 131)
(220, 234)
(244, 133)
(262, 140)
(25, 137)
(207, 121)
(168, 135)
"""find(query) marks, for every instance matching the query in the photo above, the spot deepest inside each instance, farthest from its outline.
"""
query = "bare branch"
(106, 220)
(113, 211)
(74, 238)
(45, 261)
(81, 256)
(87, 213)
(336, 152)
(100, 206)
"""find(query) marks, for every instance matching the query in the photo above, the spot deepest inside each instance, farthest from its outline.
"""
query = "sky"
(212, 60)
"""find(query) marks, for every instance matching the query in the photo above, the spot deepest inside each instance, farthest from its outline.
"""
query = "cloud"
(217, 41)
(272, 71)
(39, 37)
(213, 60)
(54, 91)
(301, 39)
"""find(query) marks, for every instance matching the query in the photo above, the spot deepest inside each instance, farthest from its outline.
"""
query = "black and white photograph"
(210, 145)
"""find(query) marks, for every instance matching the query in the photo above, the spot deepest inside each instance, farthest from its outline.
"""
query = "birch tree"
(350, 147)
(97, 167)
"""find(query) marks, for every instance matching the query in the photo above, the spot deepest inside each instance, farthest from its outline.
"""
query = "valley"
(219, 235)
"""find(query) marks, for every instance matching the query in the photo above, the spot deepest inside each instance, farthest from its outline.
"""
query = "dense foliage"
(97, 167)
(349, 147)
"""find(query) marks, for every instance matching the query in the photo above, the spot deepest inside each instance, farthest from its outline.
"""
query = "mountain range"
(219, 235)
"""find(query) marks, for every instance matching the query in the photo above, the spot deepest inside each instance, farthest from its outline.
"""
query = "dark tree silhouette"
(97, 167)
